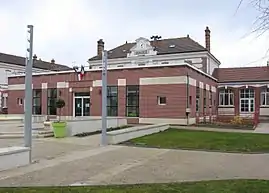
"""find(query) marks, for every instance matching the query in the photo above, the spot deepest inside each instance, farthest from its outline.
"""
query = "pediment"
(141, 48)
(142, 44)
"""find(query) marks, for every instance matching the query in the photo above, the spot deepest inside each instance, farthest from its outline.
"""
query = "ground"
(227, 186)
(82, 161)
(205, 140)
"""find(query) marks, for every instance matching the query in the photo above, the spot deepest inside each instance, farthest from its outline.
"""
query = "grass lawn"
(225, 186)
(205, 140)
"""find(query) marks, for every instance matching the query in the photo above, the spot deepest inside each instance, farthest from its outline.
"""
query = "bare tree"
(261, 22)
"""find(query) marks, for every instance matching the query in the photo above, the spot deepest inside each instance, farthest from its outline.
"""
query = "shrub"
(60, 103)
(237, 120)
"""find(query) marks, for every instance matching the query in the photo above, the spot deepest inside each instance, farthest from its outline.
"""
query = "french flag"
(81, 73)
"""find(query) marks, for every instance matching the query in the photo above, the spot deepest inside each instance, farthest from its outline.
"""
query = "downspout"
(188, 102)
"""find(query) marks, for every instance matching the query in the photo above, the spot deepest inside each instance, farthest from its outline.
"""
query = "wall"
(155, 81)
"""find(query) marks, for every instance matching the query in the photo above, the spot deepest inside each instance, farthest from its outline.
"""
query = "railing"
(256, 119)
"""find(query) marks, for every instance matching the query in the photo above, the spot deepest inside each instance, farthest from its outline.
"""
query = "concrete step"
(14, 135)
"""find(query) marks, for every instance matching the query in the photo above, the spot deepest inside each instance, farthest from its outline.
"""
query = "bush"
(60, 103)
(237, 120)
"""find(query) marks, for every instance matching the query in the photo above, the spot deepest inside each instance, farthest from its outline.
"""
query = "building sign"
(141, 52)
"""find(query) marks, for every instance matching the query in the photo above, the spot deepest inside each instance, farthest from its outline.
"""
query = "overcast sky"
(67, 30)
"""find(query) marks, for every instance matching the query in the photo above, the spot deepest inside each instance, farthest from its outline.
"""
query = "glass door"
(86, 106)
(78, 107)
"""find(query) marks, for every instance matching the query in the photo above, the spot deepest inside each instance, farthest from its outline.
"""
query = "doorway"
(247, 100)
(81, 103)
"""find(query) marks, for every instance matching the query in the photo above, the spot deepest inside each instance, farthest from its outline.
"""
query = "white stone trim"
(192, 81)
(127, 67)
(62, 84)
(17, 87)
(207, 87)
(121, 82)
(167, 121)
(90, 89)
(97, 83)
(5, 94)
(44, 85)
(213, 89)
(163, 80)
(201, 85)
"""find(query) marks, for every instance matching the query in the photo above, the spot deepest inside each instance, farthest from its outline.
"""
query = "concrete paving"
(262, 128)
(121, 165)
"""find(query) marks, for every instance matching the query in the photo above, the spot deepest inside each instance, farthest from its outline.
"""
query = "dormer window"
(172, 46)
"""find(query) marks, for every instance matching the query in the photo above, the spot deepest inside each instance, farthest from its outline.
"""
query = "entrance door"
(247, 105)
(78, 107)
(86, 106)
(81, 104)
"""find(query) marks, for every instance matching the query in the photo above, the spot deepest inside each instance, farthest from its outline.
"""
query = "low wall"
(115, 137)
(91, 125)
(12, 157)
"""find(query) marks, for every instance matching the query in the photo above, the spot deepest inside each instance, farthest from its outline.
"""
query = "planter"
(59, 129)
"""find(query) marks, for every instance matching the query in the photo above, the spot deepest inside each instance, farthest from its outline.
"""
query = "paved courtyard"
(82, 160)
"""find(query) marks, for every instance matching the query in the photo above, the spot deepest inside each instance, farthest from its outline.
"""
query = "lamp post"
(104, 98)
(28, 94)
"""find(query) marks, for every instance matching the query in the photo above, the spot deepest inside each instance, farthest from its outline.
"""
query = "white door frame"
(74, 104)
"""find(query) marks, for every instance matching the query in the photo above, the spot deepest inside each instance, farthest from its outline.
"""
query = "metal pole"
(28, 95)
(104, 98)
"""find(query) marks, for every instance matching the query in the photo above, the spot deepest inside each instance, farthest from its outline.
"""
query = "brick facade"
(149, 90)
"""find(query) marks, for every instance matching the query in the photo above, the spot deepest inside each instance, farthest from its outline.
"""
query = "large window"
(132, 101)
(197, 98)
(204, 99)
(112, 101)
(226, 97)
(265, 97)
(246, 100)
(37, 109)
(52, 97)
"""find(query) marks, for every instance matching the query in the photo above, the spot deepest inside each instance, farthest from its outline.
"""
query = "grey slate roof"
(182, 45)
(20, 61)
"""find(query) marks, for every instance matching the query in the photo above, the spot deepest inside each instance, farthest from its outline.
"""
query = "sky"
(68, 30)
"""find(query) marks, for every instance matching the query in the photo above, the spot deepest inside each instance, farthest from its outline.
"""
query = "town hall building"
(175, 81)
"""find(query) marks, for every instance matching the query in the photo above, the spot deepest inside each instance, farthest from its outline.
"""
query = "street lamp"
(28, 93)
(104, 98)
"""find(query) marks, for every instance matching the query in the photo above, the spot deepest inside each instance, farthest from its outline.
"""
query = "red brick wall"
(175, 94)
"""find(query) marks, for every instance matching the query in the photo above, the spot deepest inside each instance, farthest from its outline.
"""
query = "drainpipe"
(188, 102)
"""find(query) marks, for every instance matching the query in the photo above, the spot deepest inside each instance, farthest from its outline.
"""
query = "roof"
(18, 60)
(242, 74)
(182, 45)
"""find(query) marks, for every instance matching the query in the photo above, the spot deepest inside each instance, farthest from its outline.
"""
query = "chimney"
(100, 47)
(207, 38)
(35, 57)
(52, 61)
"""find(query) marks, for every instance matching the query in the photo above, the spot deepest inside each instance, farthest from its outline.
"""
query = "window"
(4, 101)
(197, 98)
(112, 101)
(246, 100)
(265, 97)
(20, 101)
(210, 98)
(37, 93)
(132, 101)
(226, 97)
(161, 100)
(52, 97)
(204, 99)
